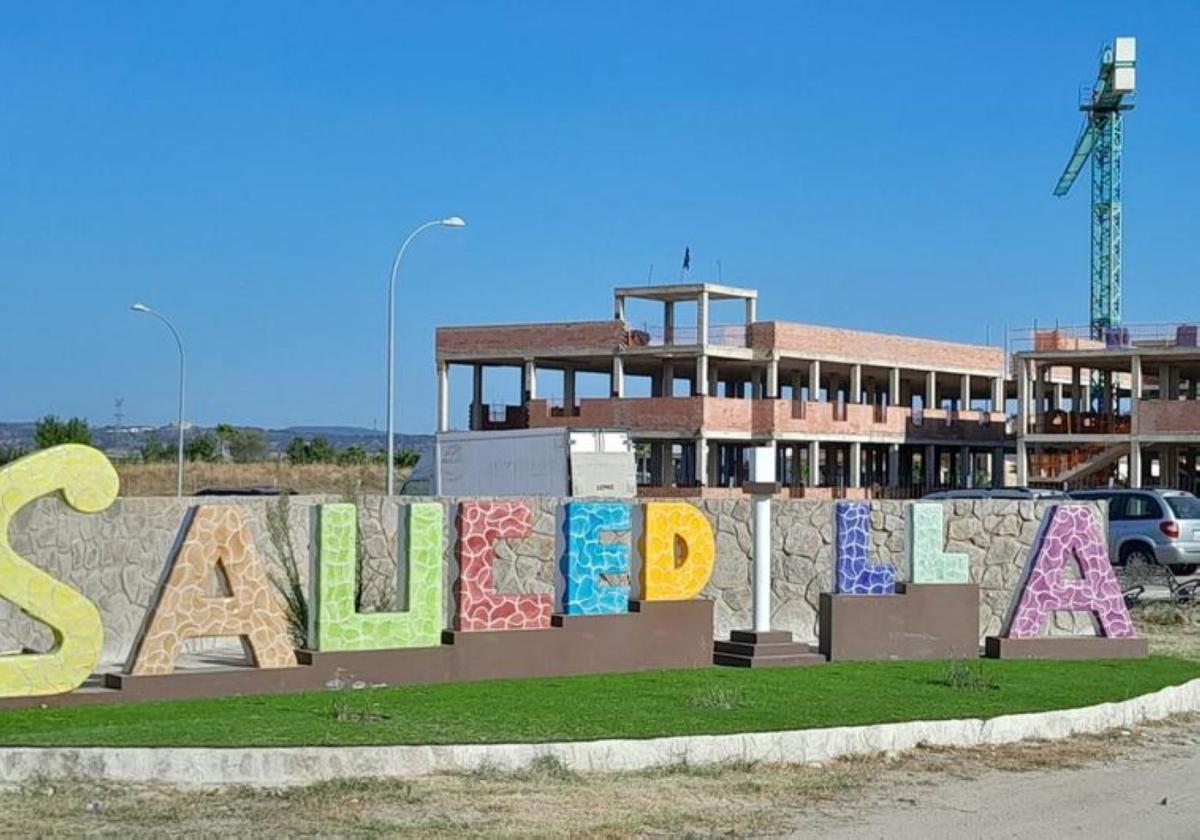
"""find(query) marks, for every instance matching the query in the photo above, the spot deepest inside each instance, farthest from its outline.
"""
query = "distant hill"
(125, 441)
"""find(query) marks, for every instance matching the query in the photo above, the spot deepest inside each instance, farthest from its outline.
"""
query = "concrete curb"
(282, 766)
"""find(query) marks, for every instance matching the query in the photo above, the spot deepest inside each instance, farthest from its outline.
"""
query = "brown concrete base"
(1065, 647)
(921, 621)
(652, 635)
(773, 649)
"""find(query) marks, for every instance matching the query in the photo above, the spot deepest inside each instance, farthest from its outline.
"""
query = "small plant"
(286, 579)
(719, 698)
(342, 712)
(964, 676)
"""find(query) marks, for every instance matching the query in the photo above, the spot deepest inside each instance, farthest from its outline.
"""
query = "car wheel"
(1184, 569)
(1136, 554)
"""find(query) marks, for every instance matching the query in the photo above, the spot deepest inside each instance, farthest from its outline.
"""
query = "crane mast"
(1102, 139)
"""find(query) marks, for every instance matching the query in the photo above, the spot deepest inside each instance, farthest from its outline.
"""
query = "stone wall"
(116, 557)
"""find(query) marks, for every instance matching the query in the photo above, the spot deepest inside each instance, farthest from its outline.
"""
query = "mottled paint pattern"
(678, 552)
(929, 562)
(1072, 535)
(479, 605)
(219, 544)
(337, 624)
(854, 572)
(88, 484)
(596, 568)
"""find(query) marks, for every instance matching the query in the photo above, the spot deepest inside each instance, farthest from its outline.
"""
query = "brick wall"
(876, 348)
(531, 339)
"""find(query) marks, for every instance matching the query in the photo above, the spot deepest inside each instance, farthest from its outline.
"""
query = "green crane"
(1103, 139)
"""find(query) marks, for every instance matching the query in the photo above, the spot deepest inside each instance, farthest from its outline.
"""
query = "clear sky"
(249, 169)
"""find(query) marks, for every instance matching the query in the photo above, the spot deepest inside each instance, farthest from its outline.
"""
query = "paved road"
(1123, 798)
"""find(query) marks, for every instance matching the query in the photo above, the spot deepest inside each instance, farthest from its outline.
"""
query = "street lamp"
(449, 221)
(141, 307)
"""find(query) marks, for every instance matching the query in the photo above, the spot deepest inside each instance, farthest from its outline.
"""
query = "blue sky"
(249, 168)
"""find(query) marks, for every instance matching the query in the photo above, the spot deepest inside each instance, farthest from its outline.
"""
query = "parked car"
(1151, 526)
(1028, 494)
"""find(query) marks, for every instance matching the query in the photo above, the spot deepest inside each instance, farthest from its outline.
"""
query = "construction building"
(1121, 410)
(849, 412)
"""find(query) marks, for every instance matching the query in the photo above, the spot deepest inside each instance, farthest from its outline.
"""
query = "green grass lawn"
(643, 705)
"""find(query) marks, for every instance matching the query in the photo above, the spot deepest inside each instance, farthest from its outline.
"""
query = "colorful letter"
(337, 624)
(928, 560)
(596, 572)
(89, 484)
(480, 607)
(854, 572)
(219, 544)
(677, 552)
(1071, 535)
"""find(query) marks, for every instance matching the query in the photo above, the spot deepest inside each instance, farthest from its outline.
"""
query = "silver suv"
(1148, 526)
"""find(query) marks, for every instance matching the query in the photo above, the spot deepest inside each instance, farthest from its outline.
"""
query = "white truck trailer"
(535, 462)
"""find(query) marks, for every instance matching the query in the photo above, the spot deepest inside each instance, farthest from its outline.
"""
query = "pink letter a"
(1073, 533)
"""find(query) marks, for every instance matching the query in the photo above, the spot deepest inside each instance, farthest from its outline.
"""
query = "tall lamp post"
(449, 221)
(141, 307)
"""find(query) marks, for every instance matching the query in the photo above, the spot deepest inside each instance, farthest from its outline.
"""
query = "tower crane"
(1103, 140)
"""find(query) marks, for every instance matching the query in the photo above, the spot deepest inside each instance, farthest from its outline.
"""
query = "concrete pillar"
(529, 381)
(797, 385)
(1164, 381)
(702, 319)
(1076, 390)
(894, 397)
(669, 322)
(617, 381)
(835, 384)
(1107, 383)
(929, 466)
(1022, 399)
(998, 394)
(1086, 402)
(997, 466)
(666, 465)
(668, 379)
(966, 472)
(569, 390)
(931, 395)
(751, 310)
(814, 463)
(893, 465)
(619, 307)
(1135, 463)
(1022, 462)
(855, 464)
(772, 380)
(701, 387)
(964, 390)
(714, 377)
(1039, 390)
(476, 396)
(814, 380)
(702, 461)
(1135, 392)
(1058, 396)
(443, 397)
(855, 395)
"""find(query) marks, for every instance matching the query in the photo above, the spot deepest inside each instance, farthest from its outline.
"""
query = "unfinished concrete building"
(848, 411)
(1122, 411)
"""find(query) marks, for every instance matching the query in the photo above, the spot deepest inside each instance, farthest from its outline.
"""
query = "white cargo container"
(536, 462)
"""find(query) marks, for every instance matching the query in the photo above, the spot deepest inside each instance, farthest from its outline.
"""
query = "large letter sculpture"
(596, 573)
(88, 484)
(678, 551)
(854, 572)
(1072, 535)
(929, 562)
(337, 624)
(219, 544)
(480, 606)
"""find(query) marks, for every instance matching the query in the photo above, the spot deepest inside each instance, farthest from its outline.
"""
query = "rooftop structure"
(846, 410)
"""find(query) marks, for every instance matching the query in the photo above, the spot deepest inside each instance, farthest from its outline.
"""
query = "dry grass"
(159, 479)
(1171, 629)
(547, 799)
